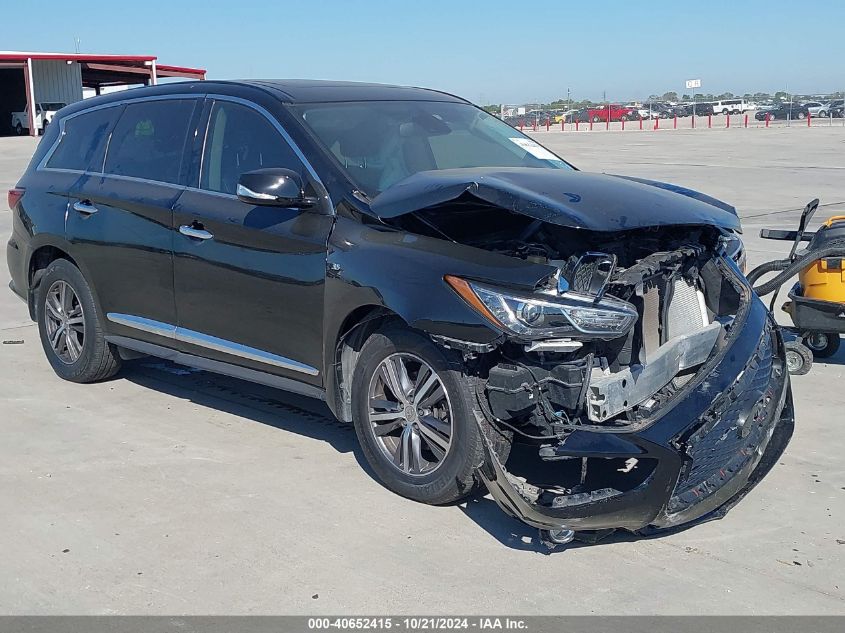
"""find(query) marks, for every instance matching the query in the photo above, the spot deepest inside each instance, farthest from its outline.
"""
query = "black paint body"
(290, 282)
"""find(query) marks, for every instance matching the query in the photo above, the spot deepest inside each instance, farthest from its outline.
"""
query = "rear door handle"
(84, 207)
(198, 234)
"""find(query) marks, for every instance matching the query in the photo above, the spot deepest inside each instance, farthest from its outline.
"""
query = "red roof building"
(31, 78)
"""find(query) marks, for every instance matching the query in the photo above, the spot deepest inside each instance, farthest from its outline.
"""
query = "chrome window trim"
(207, 341)
(111, 104)
(42, 166)
(273, 121)
(208, 192)
(159, 183)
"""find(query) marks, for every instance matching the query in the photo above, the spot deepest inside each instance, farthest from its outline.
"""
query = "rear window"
(149, 139)
(83, 141)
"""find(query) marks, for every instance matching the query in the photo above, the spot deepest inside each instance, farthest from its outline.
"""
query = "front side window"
(240, 140)
(378, 143)
(149, 139)
(83, 141)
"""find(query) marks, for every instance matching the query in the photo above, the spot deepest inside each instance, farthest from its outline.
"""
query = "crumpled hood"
(571, 198)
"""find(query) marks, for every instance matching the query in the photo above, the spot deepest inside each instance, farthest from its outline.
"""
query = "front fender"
(381, 267)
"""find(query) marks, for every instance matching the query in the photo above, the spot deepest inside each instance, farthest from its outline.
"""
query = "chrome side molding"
(207, 341)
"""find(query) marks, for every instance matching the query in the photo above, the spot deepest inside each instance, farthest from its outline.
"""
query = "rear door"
(249, 280)
(120, 216)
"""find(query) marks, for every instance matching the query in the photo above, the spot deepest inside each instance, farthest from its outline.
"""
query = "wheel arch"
(343, 349)
(39, 261)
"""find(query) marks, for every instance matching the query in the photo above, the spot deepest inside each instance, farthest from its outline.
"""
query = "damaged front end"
(640, 383)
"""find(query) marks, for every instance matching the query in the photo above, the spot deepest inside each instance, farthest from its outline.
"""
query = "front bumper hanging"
(715, 442)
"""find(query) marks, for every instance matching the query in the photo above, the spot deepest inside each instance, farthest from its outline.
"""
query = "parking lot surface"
(168, 490)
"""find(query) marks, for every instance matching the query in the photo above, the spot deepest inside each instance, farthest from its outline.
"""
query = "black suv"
(446, 284)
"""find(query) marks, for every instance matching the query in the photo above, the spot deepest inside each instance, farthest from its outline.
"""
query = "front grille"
(734, 430)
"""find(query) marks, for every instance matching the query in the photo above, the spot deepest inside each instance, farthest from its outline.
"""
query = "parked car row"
(801, 111)
(658, 110)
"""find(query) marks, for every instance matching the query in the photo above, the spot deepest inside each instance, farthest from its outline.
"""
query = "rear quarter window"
(83, 141)
(149, 140)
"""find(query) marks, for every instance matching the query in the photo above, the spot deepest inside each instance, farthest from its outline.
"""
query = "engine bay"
(536, 393)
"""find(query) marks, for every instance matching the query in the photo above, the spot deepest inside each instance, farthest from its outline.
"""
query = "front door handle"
(196, 233)
(84, 207)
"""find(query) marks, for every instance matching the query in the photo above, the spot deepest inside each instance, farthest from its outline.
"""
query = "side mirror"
(273, 187)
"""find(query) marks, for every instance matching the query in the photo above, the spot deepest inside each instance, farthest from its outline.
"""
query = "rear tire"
(19, 129)
(427, 471)
(70, 328)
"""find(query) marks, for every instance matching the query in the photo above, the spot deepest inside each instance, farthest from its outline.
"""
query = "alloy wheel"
(65, 321)
(409, 414)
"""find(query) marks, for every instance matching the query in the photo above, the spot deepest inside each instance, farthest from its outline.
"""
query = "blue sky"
(490, 51)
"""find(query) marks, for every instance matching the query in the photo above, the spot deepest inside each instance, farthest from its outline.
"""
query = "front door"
(248, 280)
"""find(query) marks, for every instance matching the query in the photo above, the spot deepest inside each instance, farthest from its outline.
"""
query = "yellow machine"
(825, 278)
(817, 302)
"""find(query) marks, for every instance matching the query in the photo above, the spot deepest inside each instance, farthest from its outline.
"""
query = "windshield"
(378, 143)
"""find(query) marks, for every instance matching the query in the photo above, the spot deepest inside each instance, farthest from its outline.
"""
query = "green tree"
(670, 96)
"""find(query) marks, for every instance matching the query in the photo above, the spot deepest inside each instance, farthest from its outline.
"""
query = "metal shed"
(27, 78)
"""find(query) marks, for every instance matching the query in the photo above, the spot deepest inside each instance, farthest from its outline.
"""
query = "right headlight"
(733, 248)
(540, 315)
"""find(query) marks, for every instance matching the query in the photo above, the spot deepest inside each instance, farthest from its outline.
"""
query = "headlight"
(536, 315)
(732, 247)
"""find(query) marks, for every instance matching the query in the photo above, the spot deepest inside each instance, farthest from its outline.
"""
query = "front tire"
(413, 411)
(69, 327)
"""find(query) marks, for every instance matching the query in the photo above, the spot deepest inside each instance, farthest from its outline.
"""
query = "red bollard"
(727, 120)
(641, 121)
(767, 119)
(657, 123)
(607, 123)
(562, 128)
(576, 124)
(535, 125)
(521, 123)
(709, 120)
(591, 124)
(746, 120)
(693, 121)
(675, 124)
(623, 125)
(809, 117)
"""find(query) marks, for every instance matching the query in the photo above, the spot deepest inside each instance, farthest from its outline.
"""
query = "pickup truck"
(44, 113)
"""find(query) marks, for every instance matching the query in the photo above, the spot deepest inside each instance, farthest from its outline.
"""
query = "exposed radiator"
(687, 311)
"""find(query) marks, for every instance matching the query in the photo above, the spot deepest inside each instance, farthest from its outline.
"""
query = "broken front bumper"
(708, 447)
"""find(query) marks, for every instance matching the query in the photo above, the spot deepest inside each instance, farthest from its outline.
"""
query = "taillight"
(14, 197)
